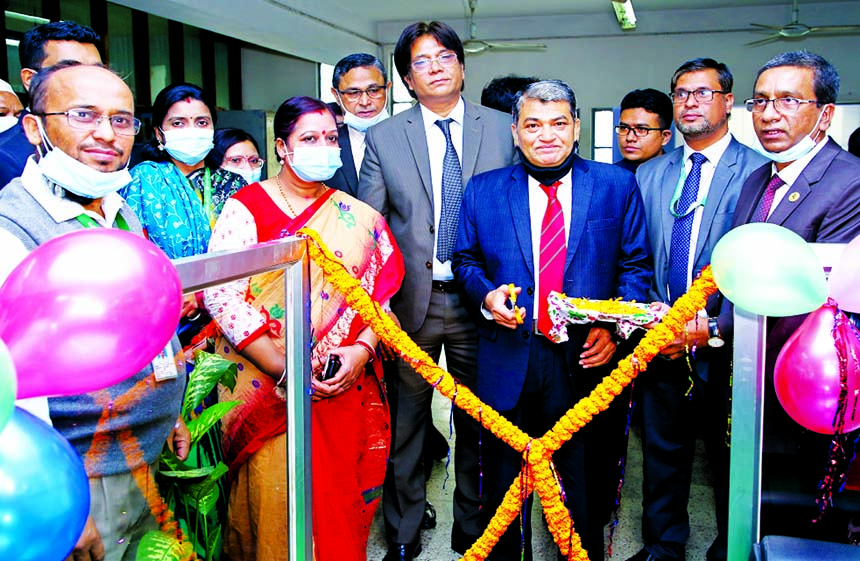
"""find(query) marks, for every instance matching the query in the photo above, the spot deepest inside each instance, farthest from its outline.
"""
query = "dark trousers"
(447, 325)
(671, 422)
(587, 463)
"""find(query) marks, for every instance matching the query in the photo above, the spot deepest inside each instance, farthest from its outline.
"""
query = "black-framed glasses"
(702, 96)
(445, 59)
(624, 130)
(781, 104)
(89, 120)
(354, 94)
(254, 162)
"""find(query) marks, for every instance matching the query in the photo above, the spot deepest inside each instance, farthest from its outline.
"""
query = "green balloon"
(8, 385)
(769, 270)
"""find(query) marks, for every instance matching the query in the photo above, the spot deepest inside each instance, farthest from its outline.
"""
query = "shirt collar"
(792, 171)
(50, 197)
(713, 152)
(456, 114)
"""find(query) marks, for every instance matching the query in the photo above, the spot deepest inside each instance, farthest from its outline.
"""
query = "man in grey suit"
(415, 166)
(812, 187)
(690, 196)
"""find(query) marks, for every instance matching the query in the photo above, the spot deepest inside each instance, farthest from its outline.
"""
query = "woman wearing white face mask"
(236, 150)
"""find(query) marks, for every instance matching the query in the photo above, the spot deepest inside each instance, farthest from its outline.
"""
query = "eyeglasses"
(445, 59)
(624, 130)
(354, 94)
(781, 104)
(253, 161)
(702, 96)
(89, 120)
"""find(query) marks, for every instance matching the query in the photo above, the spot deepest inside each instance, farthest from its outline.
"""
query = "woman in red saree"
(350, 422)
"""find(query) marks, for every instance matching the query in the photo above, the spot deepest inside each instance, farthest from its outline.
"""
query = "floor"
(627, 541)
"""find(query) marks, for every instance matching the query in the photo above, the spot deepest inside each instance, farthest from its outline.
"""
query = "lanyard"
(673, 204)
(88, 221)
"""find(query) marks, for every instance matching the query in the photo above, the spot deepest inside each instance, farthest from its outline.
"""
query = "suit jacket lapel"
(518, 198)
(583, 190)
(349, 171)
(723, 173)
(803, 186)
(472, 134)
(417, 138)
(674, 170)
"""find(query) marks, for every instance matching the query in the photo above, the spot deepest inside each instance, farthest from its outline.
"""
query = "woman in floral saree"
(350, 423)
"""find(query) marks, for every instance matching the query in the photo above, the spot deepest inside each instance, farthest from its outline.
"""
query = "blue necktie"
(452, 195)
(679, 251)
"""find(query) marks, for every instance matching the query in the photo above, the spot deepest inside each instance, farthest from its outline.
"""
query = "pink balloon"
(807, 373)
(844, 278)
(87, 310)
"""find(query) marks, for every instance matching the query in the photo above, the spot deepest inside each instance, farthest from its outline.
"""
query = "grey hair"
(825, 82)
(546, 91)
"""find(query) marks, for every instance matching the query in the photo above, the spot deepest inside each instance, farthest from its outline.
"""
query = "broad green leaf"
(170, 461)
(209, 369)
(201, 488)
(209, 417)
(206, 502)
(189, 473)
(158, 546)
(213, 544)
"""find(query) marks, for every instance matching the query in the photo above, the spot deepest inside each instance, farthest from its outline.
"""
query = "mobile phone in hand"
(332, 365)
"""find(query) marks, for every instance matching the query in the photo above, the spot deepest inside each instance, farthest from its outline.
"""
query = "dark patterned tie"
(763, 210)
(452, 195)
(679, 251)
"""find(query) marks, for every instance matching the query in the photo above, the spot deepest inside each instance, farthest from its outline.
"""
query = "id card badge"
(164, 365)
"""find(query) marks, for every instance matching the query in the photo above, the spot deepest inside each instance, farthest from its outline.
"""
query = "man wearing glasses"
(82, 125)
(644, 127)
(812, 187)
(689, 195)
(415, 167)
(360, 85)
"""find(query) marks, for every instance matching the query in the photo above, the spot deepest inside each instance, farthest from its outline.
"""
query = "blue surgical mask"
(189, 146)
(77, 177)
(249, 175)
(361, 124)
(794, 153)
(318, 163)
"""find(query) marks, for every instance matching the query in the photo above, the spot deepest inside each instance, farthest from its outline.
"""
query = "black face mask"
(548, 176)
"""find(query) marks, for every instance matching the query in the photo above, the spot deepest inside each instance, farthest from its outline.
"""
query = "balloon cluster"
(81, 312)
(771, 271)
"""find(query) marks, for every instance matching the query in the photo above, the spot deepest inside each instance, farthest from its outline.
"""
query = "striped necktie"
(553, 252)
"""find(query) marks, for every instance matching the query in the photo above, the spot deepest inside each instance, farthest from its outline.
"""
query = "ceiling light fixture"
(27, 18)
(624, 13)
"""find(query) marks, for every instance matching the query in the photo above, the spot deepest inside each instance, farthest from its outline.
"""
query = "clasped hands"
(694, 336)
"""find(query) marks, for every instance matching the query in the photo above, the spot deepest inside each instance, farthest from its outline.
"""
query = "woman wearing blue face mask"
(236, 150)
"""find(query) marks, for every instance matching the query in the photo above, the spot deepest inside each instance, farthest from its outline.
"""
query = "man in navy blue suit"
(518, 226)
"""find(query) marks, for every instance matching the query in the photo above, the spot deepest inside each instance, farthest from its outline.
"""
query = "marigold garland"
(537, 452)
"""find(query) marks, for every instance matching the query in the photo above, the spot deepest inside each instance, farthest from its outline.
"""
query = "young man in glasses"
(415, 168)
(689, 195)
(812, 187)
(360, 85)
(644, 127)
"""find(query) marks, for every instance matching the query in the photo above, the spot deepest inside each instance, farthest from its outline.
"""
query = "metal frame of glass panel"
(290, 254)
(748, 422)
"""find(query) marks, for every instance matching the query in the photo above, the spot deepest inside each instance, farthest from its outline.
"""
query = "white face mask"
(7, 122)
(317, 163)
(77, 177)
(249, 175)
(794, 153)
(361, 124)
(189, 146)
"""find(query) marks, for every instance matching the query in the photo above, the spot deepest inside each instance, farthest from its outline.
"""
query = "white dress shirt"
(791, 172)
(436, 146)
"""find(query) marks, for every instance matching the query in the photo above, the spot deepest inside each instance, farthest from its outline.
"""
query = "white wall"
(270, 78)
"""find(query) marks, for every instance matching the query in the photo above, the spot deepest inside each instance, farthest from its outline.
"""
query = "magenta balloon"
(87, 310)
(844, 281)
(807, 375)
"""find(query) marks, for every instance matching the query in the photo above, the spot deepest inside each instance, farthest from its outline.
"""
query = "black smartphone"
(332, 365)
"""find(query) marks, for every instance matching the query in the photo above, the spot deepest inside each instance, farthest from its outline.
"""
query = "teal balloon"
(769, 270)
(8, 385)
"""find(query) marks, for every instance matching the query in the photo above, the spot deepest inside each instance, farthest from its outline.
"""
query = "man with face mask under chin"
(812, 187)
(82, 125)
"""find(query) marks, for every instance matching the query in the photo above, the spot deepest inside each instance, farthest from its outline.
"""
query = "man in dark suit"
(689, 207)
(555, 222)
(44, 45)
(415, 166)
(361, 86)
(812, 187)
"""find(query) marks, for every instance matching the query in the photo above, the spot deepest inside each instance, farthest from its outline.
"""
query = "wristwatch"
(715, 338)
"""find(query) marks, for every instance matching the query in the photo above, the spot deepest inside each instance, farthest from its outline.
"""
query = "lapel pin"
(793, 197)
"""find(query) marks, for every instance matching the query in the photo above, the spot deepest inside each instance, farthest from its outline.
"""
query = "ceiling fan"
(795, 30)
(473, 45)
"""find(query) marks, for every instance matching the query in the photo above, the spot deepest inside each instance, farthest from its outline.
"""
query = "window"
(326, 73)
(159, 54)
(401, 99)
(603, 134)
